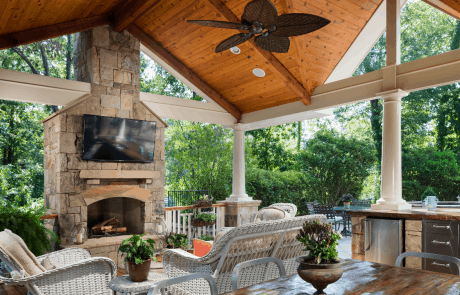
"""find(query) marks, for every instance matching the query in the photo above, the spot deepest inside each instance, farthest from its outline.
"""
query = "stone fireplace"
(84, 193)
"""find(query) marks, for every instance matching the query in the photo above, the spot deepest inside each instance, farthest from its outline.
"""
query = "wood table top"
(362, 277)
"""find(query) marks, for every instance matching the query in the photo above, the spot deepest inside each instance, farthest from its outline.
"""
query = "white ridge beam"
(25, 87)
(186, 109)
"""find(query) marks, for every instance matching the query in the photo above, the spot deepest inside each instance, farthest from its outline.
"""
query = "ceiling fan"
(272, 32)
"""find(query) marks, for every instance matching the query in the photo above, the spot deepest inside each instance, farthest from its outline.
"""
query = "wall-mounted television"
(117, 139)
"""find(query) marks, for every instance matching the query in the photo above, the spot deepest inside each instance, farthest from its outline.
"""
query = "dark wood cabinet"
(440, 237)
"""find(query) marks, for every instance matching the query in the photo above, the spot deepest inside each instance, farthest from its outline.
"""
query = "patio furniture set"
(244, 258)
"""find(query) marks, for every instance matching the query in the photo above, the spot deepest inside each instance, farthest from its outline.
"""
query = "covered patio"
(244, 89)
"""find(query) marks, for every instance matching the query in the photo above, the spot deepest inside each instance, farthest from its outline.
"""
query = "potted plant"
(202, 245)
(347, 201)
(139, 254)
(204, 219)
(203, 202)
(322, 266)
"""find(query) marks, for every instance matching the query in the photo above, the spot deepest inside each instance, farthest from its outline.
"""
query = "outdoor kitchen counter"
(414, 214)
(413, 227)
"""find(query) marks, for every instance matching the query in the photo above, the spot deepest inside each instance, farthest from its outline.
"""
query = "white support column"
(239, 173)
(391, 186)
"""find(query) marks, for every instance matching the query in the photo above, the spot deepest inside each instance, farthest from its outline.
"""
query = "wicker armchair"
(288, 207)
(239, 244)
(78, 274)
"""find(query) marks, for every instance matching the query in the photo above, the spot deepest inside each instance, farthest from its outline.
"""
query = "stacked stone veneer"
(110, 62)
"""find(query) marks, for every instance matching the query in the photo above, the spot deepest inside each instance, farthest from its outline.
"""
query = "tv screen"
(118, 139)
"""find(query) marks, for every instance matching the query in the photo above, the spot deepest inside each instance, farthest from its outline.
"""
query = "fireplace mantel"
(115, 191)
(118, 174)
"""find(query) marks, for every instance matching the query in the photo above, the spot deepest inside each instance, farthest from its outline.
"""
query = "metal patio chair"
(332, 216)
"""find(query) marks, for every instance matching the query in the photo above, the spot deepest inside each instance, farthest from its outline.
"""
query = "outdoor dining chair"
(332, 216)
(449, 259)
(160, 287)
(310, 207)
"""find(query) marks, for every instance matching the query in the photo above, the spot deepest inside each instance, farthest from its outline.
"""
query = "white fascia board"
(309, 115)
(366, 39)
(25, 87)
(187, 110)
(439, 70)
(176, 74)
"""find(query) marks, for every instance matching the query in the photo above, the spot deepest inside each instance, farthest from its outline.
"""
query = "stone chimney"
(110, 61)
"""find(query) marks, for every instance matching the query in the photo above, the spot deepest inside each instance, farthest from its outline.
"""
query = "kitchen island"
(415, 230)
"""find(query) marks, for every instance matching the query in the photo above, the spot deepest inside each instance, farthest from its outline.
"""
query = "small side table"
(123, 285)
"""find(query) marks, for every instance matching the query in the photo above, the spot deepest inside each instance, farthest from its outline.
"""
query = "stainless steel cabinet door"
(382, 240)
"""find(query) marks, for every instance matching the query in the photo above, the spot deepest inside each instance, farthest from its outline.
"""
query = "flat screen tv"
(118, 139)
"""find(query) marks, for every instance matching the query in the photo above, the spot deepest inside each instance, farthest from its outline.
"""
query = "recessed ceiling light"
(258, 72)
(235, 50)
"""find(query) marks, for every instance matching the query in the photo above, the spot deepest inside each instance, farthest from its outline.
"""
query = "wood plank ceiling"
(227, 78)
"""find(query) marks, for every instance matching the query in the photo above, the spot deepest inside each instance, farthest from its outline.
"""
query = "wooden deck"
(15, 290)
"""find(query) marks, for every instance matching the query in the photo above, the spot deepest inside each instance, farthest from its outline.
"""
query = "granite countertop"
(414, 213)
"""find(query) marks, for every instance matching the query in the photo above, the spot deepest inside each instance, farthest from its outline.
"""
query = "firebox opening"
(128, 211)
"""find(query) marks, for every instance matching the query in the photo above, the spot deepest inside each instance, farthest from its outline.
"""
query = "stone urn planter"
(319, 275)
(139, 272)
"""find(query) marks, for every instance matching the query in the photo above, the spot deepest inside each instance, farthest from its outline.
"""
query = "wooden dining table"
(362, 277)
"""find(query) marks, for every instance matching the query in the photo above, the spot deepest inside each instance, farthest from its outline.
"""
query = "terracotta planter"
(139, 272)
(319, 275)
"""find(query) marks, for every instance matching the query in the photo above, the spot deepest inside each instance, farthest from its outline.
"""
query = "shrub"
(25, 222)
(206, 238)
(174, 241)
(428, 192)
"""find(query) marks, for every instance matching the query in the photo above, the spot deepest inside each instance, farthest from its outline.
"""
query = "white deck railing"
(176, 221)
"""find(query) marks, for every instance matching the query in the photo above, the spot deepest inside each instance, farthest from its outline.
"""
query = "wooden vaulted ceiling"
(225, 77)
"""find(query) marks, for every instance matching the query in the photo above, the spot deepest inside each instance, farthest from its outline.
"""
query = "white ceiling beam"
(186, 109)
(25, 87)
(359, 49)
(439, 70)
(176, 74)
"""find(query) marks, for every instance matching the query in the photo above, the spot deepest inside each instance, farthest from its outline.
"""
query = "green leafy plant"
(174, 241)
(206, 238)
(207, 217)
(25, 222)
(347, 198)
(320, 240)
(137, 249)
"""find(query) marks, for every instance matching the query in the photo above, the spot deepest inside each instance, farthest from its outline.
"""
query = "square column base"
(240, 212)
(393, 207)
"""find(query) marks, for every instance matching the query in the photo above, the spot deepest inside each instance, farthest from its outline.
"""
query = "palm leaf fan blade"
(296, 24)
(218, 24)
(259, 10)
(273, 43)
(232, 41)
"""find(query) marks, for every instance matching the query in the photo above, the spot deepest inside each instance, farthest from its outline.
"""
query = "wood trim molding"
(118, 174)
(174, 63)
(115, 191)
(274, 64)
(127, 13)
(52, 31)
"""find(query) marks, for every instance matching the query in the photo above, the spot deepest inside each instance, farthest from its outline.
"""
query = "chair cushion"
(269, 214)
(17, 250)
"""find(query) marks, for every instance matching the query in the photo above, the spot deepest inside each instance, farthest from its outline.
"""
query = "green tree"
(426, 167)
(199, 157)
(338, 164)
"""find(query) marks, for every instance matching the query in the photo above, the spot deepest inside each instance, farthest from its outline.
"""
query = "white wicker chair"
(78, 274)
(288, 207)
(239, 244)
